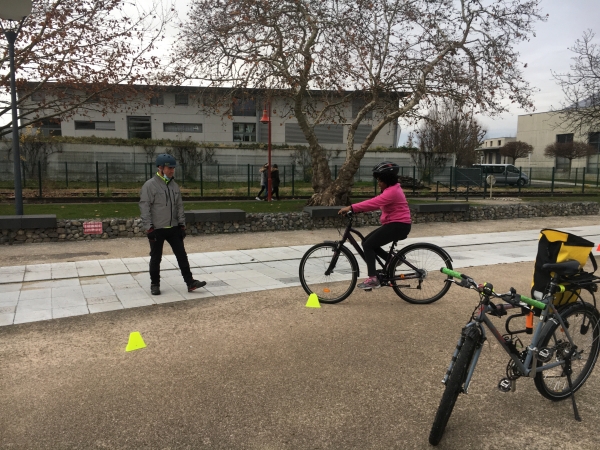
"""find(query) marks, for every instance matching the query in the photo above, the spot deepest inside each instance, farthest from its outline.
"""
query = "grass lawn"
(131, 209)
(122, 209)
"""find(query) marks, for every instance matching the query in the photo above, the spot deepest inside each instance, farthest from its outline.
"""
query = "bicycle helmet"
(385, 168)
(166, 160)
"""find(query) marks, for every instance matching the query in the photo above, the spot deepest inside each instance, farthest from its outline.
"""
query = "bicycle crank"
(507, 385)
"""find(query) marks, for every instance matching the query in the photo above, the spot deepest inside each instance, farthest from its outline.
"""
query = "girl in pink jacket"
(395, 218)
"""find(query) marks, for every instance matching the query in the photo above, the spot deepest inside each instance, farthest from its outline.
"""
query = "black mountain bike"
(330, 270)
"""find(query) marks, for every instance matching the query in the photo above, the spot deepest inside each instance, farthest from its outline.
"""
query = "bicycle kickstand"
(569, 371)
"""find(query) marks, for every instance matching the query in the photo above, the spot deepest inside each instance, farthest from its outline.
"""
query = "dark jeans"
(174, 238)
(262, 188)
(385, 234)
(275, 192)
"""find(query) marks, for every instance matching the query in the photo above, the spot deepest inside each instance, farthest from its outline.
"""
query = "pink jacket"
(393, 205)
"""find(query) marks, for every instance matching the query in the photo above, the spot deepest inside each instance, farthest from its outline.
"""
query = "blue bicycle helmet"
(166, 160)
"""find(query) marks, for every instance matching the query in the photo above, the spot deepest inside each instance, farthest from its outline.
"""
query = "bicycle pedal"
(506, 385)
(368, 290)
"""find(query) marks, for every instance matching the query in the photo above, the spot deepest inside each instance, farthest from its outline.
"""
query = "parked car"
(504, 174)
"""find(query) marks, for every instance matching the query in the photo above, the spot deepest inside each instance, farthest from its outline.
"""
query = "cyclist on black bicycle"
(395, 218)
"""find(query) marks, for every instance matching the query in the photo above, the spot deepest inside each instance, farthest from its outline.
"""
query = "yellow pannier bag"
(558, 246)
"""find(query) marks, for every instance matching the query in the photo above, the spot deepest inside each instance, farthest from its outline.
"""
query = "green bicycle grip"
(532, 302)
(451, 272)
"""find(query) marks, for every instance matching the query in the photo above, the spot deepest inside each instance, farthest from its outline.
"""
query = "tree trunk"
(337, 192)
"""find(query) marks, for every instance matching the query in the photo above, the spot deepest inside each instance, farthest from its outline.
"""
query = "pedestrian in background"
(161, 208)
(275, 182)
(263, 181)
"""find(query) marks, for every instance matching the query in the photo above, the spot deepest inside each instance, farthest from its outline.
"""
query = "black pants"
(275, 192)
(385, 234)
(174, 238)
(262, 188)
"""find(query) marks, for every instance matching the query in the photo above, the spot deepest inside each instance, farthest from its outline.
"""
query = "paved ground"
(36, 292)
(258, 370)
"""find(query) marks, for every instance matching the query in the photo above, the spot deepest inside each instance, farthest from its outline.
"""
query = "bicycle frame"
(529, 367)
(348, 237)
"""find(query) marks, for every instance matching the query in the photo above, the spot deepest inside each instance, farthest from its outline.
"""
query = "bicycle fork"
(473, 362)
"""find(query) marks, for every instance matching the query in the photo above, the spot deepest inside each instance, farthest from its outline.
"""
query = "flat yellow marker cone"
(313, 301)
(135, 342)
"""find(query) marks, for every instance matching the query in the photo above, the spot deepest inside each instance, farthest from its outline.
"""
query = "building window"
(499, 143)
(182, 127)
(157, 100)
(89, 125)
(244, 107)
(594, 140)
(49, 127)
(139, 127)
(357, 105)
(181, 99)
(564, 137)
(244, 132)
(326, 134)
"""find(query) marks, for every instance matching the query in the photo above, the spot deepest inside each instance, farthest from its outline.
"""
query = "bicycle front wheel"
(454, 384)
(328, 271)
(423, 282)
(583, 324)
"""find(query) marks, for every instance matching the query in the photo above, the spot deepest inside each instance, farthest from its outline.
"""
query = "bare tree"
(448, 130)
(581, 86)
(516, 150)
(395, 57)
(189, 157)
(35, 149)
(569, 150)
(430, 158)
(80, 55)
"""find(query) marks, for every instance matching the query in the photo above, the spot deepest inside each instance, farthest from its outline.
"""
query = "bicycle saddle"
(565, 269)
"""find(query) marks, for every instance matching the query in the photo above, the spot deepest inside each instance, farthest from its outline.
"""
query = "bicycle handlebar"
(517, 297)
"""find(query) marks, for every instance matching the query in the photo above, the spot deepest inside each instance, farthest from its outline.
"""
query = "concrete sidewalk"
(36, 292)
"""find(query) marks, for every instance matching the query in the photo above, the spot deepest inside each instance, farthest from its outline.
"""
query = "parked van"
(504, 174)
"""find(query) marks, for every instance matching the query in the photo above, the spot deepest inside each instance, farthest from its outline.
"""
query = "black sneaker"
(195, 284)
(155, 289)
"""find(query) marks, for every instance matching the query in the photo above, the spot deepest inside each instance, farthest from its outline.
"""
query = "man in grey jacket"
(163, 219)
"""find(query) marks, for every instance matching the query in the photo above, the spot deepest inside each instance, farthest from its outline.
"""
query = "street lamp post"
(266, 118)
(15, 11)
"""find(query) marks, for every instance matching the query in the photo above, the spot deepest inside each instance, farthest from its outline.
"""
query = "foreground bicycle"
(330, 270)
(560, 357)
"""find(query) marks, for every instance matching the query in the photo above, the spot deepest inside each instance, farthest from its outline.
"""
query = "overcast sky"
(549, 50)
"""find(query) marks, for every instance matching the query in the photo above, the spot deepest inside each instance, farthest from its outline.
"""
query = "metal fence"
(230, 180)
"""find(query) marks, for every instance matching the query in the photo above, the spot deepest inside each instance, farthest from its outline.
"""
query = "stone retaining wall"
(72, 230)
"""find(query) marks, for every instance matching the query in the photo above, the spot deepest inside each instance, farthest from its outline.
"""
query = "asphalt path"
(262, 371)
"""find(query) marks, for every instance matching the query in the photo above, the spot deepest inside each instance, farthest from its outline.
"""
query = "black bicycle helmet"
(386, 167)
(166, 160)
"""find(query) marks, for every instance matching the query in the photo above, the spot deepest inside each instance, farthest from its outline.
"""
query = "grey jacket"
(161, 205)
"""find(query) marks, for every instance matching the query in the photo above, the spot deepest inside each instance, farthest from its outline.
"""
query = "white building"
(489, 152)
(542, 129)
(186, 113)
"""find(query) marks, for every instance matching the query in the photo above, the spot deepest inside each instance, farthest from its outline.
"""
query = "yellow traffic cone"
(313, 301)
(135, 342)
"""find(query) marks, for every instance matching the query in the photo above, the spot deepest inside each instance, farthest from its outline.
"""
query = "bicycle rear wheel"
(583, 323)
(343, 272)
(454, 384)
(426, 284)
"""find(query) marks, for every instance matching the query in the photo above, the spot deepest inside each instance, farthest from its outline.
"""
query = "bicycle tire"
(428, 258)
(331, 288)
(583, 322)
(454, 384)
